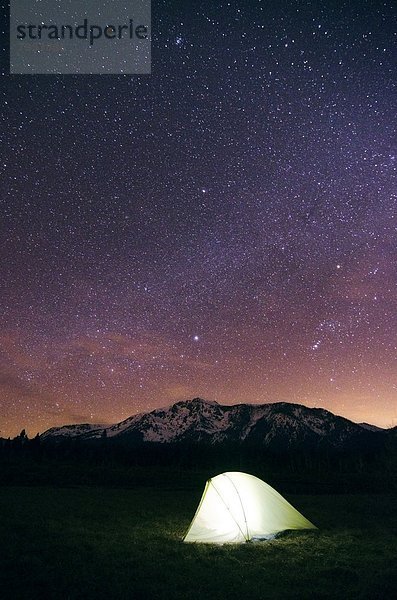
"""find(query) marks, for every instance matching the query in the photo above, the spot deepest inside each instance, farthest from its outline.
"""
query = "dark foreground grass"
(99, 543)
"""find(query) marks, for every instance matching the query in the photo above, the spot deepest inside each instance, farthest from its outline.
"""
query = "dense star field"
(225, 227)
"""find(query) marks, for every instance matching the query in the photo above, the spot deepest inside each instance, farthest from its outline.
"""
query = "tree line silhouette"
(110, 461)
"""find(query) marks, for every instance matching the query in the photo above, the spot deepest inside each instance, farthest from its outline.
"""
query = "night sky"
(225, 227)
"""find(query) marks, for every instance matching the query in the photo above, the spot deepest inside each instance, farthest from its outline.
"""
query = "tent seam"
(241, 502)
(231, 514)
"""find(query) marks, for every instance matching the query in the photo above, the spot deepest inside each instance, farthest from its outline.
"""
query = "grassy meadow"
(98, 542)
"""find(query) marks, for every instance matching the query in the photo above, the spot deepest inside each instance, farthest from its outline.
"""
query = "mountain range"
(277, 426)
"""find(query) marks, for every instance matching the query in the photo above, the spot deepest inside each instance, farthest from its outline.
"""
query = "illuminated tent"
(237, 507)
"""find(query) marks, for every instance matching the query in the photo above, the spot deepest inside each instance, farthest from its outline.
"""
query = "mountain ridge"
(278, 425)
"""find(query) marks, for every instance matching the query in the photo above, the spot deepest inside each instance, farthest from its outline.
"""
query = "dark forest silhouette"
(371, 467)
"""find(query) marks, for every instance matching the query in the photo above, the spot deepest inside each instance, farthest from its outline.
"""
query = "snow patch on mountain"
(72, 430)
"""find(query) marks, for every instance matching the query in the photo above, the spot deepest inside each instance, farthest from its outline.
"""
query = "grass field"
(90, 542)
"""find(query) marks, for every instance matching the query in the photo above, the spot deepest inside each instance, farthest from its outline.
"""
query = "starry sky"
(225, 227)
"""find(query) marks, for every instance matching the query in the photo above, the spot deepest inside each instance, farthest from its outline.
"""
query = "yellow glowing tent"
(237, 507)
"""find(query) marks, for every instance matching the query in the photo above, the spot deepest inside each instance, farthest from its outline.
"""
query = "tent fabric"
(237, 507)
